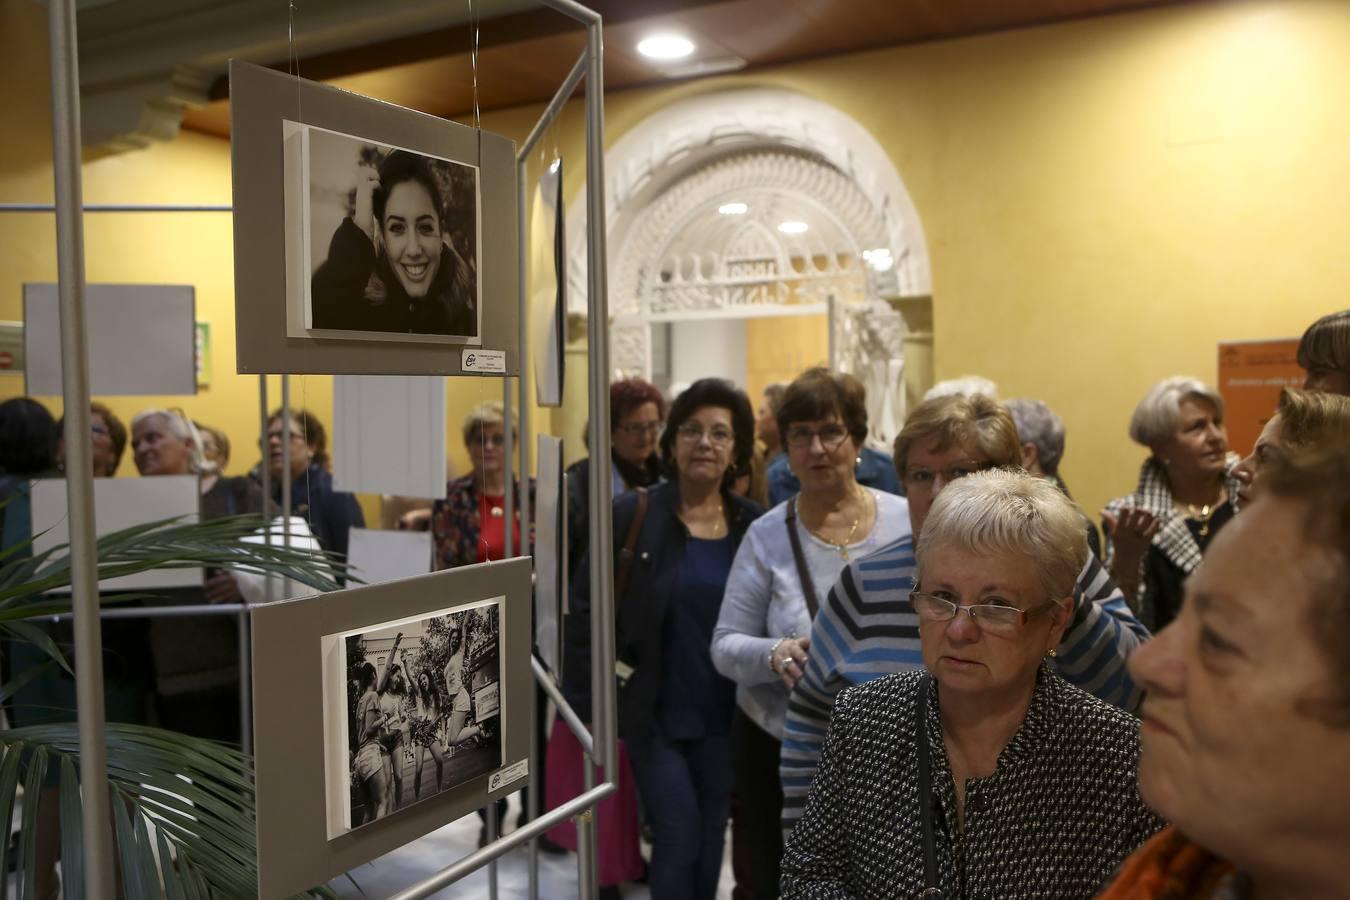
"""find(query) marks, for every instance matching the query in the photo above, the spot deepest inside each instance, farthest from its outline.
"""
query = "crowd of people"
(936, 674)
(891, 674)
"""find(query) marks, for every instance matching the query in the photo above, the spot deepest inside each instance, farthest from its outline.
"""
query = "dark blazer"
(641, 612)
(1054, 821)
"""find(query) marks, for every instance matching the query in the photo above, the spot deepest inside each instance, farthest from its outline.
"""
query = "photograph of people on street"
(424, 708)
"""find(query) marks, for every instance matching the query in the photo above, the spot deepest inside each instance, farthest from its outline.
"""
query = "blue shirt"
(875, 470)
(694, 701)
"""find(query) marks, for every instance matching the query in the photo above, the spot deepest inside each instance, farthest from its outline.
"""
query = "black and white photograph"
(424, 708)
(391, 240)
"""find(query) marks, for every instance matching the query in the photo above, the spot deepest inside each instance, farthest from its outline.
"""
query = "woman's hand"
(367, 180)
(788, 659)
(222, 588)
(1131, 531)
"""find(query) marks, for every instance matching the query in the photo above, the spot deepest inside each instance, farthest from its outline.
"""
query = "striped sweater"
(866, 629)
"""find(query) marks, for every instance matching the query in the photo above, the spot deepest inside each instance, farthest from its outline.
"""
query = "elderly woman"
(637, 413)
(991, 777)
(331, 514)
(675, 710)
(469, 525)
(789, 559)
(1156, 536)
(108, 438)
(196, 659)
(1324, 353)
(1305, 421)
(1041, 432)
(867, 628)
(1248, 707)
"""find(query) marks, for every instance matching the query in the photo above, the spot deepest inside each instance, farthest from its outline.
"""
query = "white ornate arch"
(668, 168)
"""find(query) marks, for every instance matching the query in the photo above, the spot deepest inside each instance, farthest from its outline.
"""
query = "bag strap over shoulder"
(629, 551)
(803, 573)
(926, 804)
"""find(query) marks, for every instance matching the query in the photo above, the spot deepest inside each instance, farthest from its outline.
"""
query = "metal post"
(269, 590)
(508, 485)
(533, 800)
(597, 327)
(245, 685)
(96, 809)
(588, 878)
(285, 474)
(493, 830)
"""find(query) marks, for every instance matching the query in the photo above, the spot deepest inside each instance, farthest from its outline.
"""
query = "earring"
(1051, 653)
(857, 461)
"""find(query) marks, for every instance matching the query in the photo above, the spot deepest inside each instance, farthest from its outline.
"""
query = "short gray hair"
(965, 386)
(1010, 511)
(1158, 415)
(182, 428)
(1037, 424)
(490, 412)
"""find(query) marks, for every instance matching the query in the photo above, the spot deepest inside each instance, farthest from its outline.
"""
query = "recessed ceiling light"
(733, 209)
(665, 46)
(793, 227)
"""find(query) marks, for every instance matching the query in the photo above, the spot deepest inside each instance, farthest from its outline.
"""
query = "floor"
(409, 864)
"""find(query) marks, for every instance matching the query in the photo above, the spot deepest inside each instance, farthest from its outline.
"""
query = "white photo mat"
(121, 503)
(142, 339)
(389, 434)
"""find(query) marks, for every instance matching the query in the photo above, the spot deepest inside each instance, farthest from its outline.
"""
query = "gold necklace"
(1202, 515)
(842, 546)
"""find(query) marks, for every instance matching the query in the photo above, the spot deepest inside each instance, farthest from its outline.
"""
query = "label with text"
(488, 361)
(507, 775)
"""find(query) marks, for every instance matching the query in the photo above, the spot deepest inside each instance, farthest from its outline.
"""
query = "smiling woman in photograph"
(390, 266)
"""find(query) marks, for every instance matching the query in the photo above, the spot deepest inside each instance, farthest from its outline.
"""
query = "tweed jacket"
(1055, 820)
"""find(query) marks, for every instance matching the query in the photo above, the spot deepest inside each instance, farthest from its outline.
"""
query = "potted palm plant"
(183, 807)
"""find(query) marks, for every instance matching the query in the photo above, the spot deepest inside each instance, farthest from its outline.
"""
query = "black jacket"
(641, 612)
(347, 298)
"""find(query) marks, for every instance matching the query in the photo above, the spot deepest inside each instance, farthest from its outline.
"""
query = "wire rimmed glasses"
(995, 618)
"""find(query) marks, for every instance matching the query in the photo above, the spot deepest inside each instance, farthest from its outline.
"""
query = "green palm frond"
(182, 809)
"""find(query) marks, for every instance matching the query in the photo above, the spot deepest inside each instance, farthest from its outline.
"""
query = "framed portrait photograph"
(387, 239)
(385, 711)
(420, 704)
(369, 239)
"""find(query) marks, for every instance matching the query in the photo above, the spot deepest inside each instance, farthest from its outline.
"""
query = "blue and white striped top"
(867, 628)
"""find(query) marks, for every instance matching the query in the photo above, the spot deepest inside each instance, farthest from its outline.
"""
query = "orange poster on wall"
(1251, 376)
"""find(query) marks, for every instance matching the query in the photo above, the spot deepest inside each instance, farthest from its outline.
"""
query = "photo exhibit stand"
(69, 208)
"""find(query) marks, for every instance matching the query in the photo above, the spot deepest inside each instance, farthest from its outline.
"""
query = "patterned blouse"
(456, 523)
(1055, 820)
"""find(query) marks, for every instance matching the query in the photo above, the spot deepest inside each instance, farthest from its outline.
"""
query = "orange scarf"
(1168, 867)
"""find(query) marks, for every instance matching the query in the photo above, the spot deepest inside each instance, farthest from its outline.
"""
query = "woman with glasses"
(992, 776)
(331, 514)
(788, 561)
(675, 710)
(637, 413)
(469, 525)
(867, 628)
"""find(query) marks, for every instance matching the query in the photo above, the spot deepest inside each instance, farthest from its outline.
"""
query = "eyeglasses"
(921, 478)
(635, 429)
(718, 435)
(492, 440)
(99, 430)
(995, 618)
(799, 437)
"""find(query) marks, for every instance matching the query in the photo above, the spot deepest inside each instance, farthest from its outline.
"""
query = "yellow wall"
(1103, 200)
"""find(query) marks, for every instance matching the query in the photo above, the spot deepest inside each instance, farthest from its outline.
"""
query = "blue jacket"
(876, 470)
(641, 612)
(331, 514)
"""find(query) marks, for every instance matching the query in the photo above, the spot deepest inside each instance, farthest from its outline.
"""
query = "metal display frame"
(599, 743)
